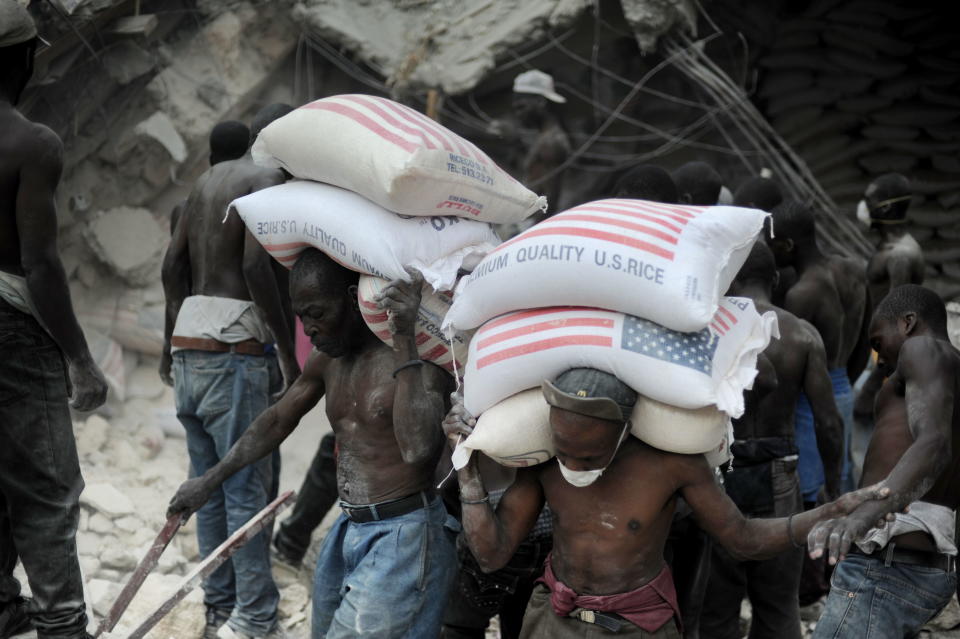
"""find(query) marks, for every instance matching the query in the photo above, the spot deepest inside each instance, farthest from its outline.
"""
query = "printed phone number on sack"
(466, 167)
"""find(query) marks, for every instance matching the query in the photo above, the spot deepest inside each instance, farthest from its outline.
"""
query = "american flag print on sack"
(693, 350)
(709, 367)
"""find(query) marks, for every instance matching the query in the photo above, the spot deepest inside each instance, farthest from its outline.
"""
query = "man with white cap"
(45, 365)
(543, 143)
(612, 499)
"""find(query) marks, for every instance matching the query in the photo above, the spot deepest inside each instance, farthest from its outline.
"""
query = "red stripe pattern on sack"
(497, 339)
(405, 128)
(649, 227)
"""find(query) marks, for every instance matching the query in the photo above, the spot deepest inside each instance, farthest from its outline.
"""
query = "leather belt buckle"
(606, 620)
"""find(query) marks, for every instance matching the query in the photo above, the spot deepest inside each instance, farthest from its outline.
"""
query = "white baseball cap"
(16, 25)
(537, 83)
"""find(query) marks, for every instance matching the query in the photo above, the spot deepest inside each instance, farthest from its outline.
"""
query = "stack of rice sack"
(381, 187)
(629, 287)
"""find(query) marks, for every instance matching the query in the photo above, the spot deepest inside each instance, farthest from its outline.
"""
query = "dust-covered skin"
(914, 448)
(210, 256)
(388, 429)
(609, 536)
(31, 161)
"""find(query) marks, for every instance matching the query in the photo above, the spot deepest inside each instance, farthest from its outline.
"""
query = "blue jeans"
(218, 396)
(843, 395)
(386, 579)
(870, 600)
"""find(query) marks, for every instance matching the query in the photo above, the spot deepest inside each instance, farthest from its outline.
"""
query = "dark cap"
(587, 391)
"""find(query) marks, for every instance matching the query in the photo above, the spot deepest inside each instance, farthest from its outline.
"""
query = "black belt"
(608, 620)
(386, 509)
(892, 554)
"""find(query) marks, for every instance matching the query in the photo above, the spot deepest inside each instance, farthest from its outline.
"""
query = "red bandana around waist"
(648, 607)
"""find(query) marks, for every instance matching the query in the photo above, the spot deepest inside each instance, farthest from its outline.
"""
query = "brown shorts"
(541, 622)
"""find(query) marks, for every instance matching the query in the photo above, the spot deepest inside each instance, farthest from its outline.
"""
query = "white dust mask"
(863, 213)
(583, 478)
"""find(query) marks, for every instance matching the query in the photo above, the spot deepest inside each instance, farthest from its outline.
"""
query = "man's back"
(216, 247)
(790, 356)
(898, 260)
(22, 141)
(832, 295)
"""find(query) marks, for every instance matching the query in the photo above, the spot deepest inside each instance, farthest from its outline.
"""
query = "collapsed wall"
(134, 110)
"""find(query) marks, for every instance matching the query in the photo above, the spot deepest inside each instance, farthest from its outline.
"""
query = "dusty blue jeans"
(218, 396)
(386, 579)
(40, 480)
(870, 600)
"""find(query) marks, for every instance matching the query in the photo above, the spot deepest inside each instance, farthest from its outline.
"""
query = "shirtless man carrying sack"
(387, 564)
(612, 499)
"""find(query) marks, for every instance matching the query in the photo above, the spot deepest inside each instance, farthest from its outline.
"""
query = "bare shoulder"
(315, 367)
(849, 268)
(682, 470)
(39, 144)
(926, 356)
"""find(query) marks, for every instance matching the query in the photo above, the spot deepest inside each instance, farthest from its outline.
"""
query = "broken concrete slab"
(160, 127)
(106, 499)
(127, 240)
(125, 62)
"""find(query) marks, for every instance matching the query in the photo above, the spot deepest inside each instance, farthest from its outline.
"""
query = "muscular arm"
(827, 421)
(420, 406)
(929, 377)
(37, 228)
(420, 400)
(263, 288)
(751, 539)
(493, 537)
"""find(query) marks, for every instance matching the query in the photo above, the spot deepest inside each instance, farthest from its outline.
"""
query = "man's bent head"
(758, 193)
(793, 226)
(697, 183)
(906, 311)
(759, 269)
(589, 417)
(229, 140)
(647, 182)
(324, 296)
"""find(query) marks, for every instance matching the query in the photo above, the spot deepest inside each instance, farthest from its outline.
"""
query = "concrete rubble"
(464, 41)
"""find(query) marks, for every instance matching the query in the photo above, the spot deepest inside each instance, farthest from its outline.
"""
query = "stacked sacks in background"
(629, 287)
(380, 188)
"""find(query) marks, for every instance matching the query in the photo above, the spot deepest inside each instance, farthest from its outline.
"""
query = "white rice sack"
(711, 367)
(679, 430)
(395, 156)
(359, 234)
(432, 345)
(516, 431)
(666, 263)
